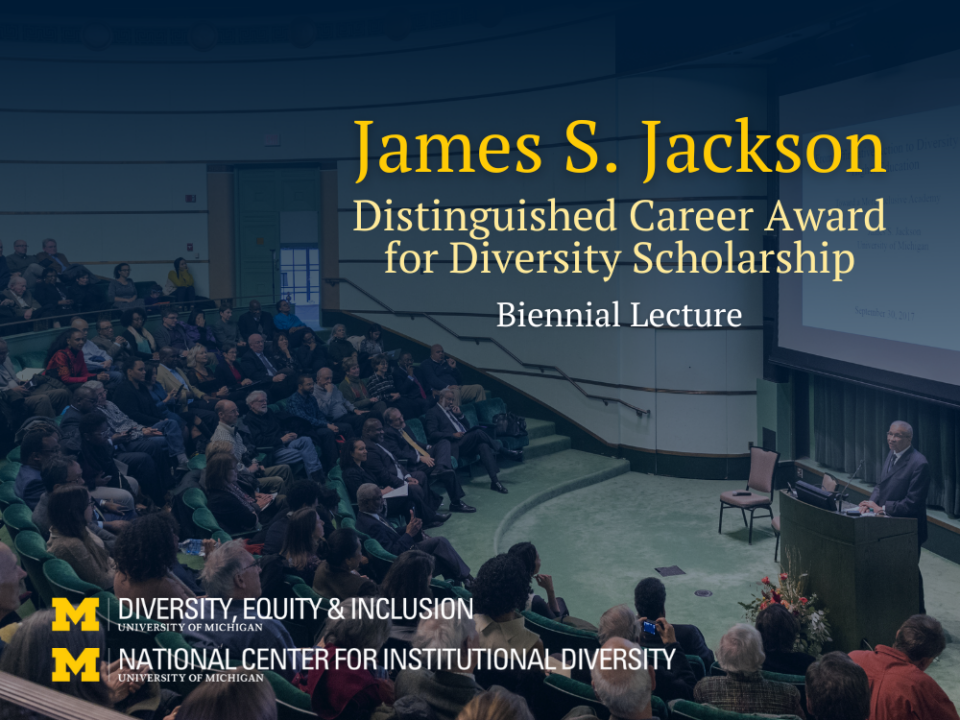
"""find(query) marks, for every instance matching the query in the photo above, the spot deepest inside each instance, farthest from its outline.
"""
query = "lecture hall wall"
(102, 148)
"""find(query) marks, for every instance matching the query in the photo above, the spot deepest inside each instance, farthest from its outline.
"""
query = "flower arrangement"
(814, 628)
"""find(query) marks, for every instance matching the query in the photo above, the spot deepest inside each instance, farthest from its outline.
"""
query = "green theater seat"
(380, 559)
(194, 498)
(19, 517)
(65, 583)
(291, 701)
(32, 550)
(557, 636)
(686, 710)
(32, 360)
(9, 470)
(8, 495)
(205, 522)
(14, 455)
(132, 634)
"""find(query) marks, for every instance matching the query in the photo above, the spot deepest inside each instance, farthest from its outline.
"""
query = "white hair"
(94, 385)
(907, 427)
(440, 633)
(623, 691)
(220, 568)
(356, 629)
(619, 621)
(16, 280)
(741, 650)
(255, 395)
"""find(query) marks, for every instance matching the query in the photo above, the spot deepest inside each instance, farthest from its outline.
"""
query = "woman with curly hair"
(553, 608)
(500, 591)
(146, 555)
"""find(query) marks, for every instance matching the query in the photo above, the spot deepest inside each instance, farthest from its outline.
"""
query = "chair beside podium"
(864, 569)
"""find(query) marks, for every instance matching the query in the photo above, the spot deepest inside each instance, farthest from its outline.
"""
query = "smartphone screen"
(649, 628)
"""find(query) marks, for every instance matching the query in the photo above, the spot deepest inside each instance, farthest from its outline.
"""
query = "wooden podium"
(863, 569)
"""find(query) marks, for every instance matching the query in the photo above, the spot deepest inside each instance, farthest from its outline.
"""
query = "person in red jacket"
(65, 360)
(900, 689)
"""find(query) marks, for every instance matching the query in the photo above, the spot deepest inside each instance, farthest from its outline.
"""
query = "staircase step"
(548, 445)
(540, 428)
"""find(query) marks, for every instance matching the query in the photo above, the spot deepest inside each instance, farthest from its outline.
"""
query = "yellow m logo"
(86, 663)
(85, 611)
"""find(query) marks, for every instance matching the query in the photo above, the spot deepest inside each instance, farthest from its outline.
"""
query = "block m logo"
(86, 612)
(86, 663)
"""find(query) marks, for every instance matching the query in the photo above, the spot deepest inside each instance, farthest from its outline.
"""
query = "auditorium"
(523, 360)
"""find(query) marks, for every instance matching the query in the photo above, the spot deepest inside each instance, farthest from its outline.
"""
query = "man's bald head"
(621, 682)
(436, 353)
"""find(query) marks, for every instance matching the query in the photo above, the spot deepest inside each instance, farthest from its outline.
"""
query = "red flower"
(766, 581)
(803, 601)
(783, 576)
(763, 605)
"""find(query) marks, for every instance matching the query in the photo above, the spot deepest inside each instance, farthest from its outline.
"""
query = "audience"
(84, 295)
(311, 355)
(37, 447)
(50, 258)
(232, 573)
(339, 348)
(234, 511)
(71, 512)
(779, 629)
(64, 470)
(122, 291)
(96, 359)
(336, 690)
(19, 261)
(301, 494)
(256, 366)
(444, 421)
(138, 339)
(406, 584)
(234, 699)
(838, 689)
(226, 330)
(286, 320)
(408, 384)
(743, 689)
(180, 282)
(256, 321)
(337, 575)
(440, 372)
(650, 599)
(282, 358)
(626, 692)
(381, 385)
(303, 536)
(434, 460)
(107, 340)
(500, 592)
(12, 589)
(229, 374)
(198, 332)
(199, 374)
(334, 407)
(38, 396)
(899, 685)
(265, 430)
(449, 683)
(51, 295)
(22, 301)
(355, 390)
(496, 703)
(100, 472)
(65, 360)
(172, 333)
(273, 477)
(371, 343)
(553, 608)
(172, 376)
(146, 555)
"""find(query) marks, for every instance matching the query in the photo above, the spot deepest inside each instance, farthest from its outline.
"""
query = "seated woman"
(233, 509)
(228, 373)
(336, 690)
(70, 512)
(84, 295)
(286, 320)
(500, 591)
(355, 390)
(199, 374)
(20, 299)
(180, 282)
(311, 355)
(285, 361)
(371, 344)
(553, 608)
(338, 349)
(122, 291)
(743, 689)
(380, 385)
(139, 339)
(155, 302)
(198, 332)
(51, 295)
(234, 699)
(407, 582)
(146, 555)
(65, 360)
(303, 537)
(337, 575)
(779, 629)
(166, 402)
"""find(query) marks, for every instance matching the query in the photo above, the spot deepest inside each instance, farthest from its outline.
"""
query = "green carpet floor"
(598, 541)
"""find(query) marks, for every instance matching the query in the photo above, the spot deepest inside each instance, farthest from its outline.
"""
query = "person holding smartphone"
(676, 681)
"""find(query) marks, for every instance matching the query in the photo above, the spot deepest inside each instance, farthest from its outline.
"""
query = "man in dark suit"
(256, 321)
(371, 521)
(444, 421)
(433, 461)
(903, 485)
(387, 472)
(257, 366)
(650, 598)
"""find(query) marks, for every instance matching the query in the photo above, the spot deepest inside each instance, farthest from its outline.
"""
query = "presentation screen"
(894, 320)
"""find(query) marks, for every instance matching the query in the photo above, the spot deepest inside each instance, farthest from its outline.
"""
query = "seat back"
(561, 694)
(33, 554)
(132, 634)
(291, 701)
(344, 507)
(8, 495)
(9, 470)
(763, 464)
(380, 559)
(19, 517)
(194, 498)
(206, 523)
(696, 664)
(470, 413)
(558, 636)
(64, 582)
(416, 431)
(489, 409)
(686, 710)
(180, 678)
(829, 482)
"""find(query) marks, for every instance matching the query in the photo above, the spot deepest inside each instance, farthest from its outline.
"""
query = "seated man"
(225, 330)
(837, 689)
(899, 685)
(172, 376)
(286, 320)
(19, 261)
(275, 477)
(52, 295)
(96, 359)
(744, 689)
(387, 472)
(335, 406)
(116, 346)
(172, 333)
(39, 396)
(407, 382)
(256, 366)
(65, 470)
(371, 521)
(102, 475)
(264, 430)
(434, 460)
(50, 258)
(21, 300)
(440, 372)
(37, 447)
(231, 573)
(132, 396)
(650, 598)
(444, 421)
(448, 685)
(255, 321)
(67, 364)
(625, 691)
